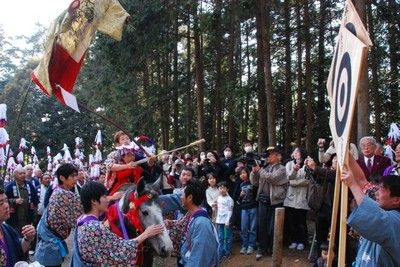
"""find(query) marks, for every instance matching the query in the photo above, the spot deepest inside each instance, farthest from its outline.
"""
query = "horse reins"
(133, 217)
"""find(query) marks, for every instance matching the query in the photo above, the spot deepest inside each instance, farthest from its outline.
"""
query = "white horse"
(140, 208)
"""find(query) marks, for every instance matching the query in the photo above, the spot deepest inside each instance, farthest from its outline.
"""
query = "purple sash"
(121, 222)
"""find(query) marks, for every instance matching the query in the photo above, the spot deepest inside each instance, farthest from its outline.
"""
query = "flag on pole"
(96, 158)
(67, 154)
(21, 148)
(69, 38)
(57, 160)
(78, 153)
(4, 137)
(34, 159)
(3, 115)
(11, 164)
(49, 164)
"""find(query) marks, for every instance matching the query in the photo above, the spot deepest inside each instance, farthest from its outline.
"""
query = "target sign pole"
(349, 57)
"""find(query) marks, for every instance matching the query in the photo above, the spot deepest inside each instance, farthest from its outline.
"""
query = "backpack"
(315, 194)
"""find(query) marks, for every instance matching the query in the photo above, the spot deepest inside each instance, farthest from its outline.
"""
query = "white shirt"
(366, 161)
(43, 190)
(211, 194)
(224, 209)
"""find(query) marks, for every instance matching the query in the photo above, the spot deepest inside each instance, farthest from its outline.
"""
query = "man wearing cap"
(272, 185)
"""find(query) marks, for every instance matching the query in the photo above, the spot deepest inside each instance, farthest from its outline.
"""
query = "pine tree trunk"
(198, 61)
(288, 110)
(299, 90)
(308, 76)
(262, 112)
(363, 111)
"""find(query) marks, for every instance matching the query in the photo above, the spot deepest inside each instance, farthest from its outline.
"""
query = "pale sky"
(18, 17)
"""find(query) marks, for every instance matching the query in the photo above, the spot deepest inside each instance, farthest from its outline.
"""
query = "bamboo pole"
(170, 151)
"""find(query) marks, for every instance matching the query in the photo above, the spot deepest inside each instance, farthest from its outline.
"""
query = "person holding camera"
(211, 164)
(272, 185)
(324, 156)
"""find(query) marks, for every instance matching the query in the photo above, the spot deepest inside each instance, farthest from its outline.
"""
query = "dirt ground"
(291, 258)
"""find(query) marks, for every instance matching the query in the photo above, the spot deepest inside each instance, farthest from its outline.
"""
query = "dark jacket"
(378, 167)
(33, 200)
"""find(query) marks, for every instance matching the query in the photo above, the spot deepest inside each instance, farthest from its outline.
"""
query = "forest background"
(223, 70)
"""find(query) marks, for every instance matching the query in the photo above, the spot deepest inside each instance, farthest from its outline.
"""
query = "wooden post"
(335, 208)
(344, 196)
(278, 237)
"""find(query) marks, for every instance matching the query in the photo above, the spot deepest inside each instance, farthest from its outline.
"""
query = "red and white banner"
(67, 43)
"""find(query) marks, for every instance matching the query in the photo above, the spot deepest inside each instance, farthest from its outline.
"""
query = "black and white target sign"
(342, 93)
(350, 55)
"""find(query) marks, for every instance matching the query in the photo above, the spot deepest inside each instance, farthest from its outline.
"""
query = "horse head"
(141, 203)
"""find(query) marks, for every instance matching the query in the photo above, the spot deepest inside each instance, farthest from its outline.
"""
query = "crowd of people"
(207, 199)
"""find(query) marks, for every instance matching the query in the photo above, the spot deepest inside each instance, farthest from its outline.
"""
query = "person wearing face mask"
(228, 165)
(249, 153)
(248, 148)
(210, 164)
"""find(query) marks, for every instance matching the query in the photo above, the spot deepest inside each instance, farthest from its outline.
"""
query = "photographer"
(272, 186)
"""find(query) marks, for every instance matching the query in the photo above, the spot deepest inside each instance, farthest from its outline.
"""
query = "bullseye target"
(349, 61)
(342, 93)
(349, 57)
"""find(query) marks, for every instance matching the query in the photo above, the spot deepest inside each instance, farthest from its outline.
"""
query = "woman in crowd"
(210, 164)
(326, 176)
(212, 194)
(296, 200)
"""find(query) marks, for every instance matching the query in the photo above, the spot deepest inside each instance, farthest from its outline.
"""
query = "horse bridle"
(133, 217)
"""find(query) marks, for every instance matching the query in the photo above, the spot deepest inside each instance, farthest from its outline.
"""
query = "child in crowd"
(224, 213)
(211, 194)
(323, 260)
(248, 205)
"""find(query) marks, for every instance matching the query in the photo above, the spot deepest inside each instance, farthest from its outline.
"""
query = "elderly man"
(23, 200)
(37, 175)
(272, 184)
(368, 161)
(30, 175)
(13, 247)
